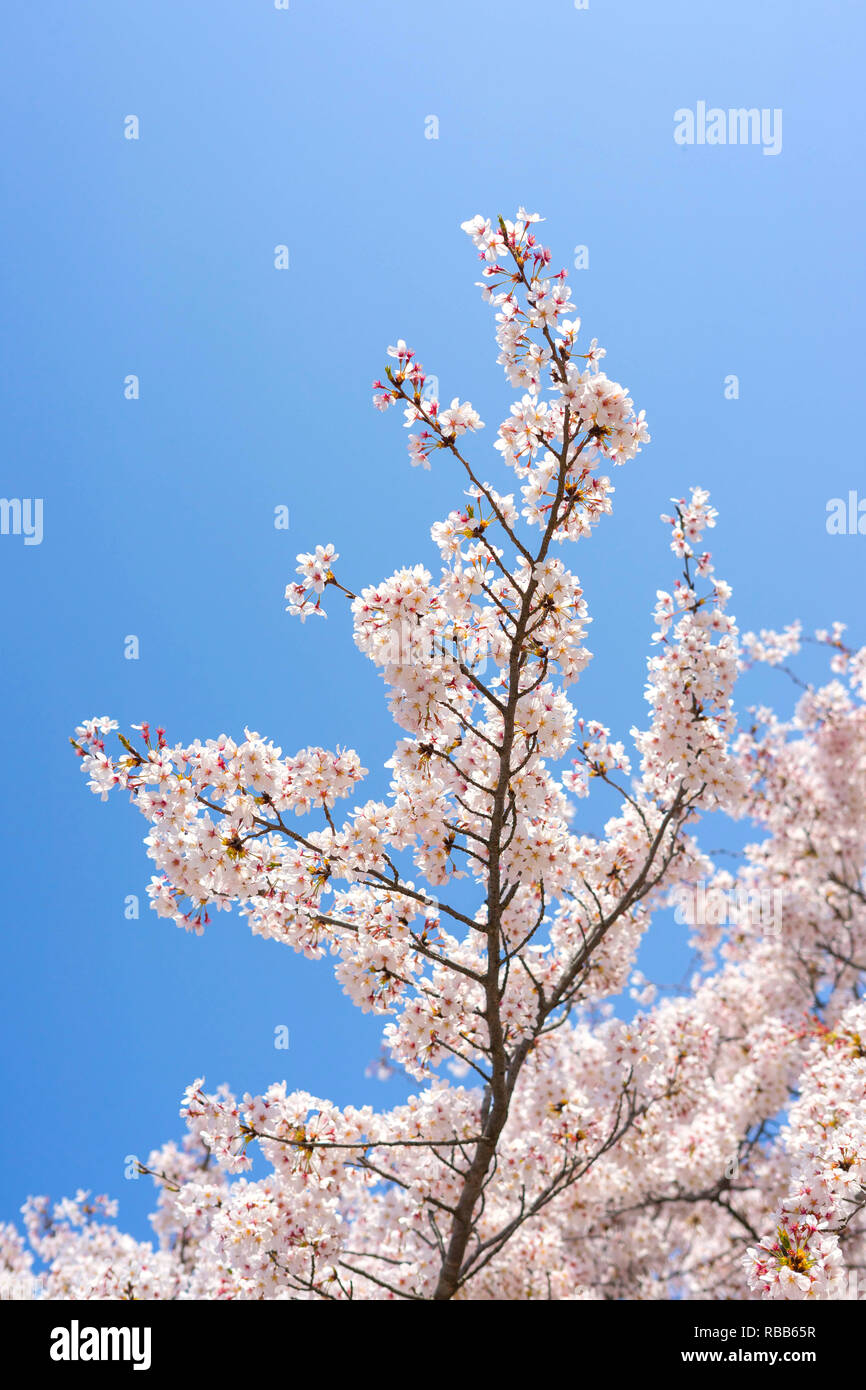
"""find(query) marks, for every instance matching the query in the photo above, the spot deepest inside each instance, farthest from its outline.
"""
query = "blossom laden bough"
(709, 1146)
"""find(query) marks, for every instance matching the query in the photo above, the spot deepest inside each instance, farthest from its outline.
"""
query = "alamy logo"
(846, 516)
(22, 516)
(703, 906)
(737, 126)
(76, 1343)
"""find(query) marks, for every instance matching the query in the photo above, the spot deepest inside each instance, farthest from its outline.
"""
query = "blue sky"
(306, 127)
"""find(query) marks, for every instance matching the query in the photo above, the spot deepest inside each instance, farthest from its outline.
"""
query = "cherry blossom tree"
(576, 1133)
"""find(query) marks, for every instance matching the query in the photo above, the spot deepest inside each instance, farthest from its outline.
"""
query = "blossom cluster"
(608, 1137)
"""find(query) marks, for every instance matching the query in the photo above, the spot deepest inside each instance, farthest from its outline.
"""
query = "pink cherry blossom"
(491, 904)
